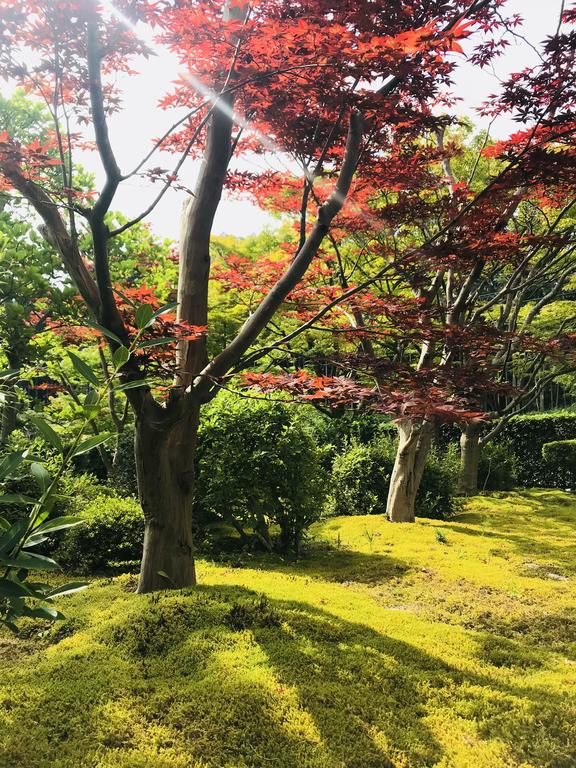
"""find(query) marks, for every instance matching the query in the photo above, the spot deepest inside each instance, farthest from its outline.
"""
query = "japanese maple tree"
(332, 84)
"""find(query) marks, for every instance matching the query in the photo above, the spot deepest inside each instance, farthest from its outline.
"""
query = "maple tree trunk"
(470, 452)
(165, 473)
(413, 448)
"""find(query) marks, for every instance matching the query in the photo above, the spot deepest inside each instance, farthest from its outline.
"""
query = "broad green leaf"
(92, 442)
(10, 463)
(132, 385)
(67, 589)
(10, 588)
(58, 524)
(84, 369)
(40, 474)
(90, 405)
(12, 537)
(156, 342)
(166, 308)
(143, 316)
(105, 332)
(49, 435)
(30, 561)
(16, 498)
(120, 357)
(43, 612)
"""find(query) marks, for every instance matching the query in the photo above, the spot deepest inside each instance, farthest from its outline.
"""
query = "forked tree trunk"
(470, 454)
(413, 449)
(165, 473)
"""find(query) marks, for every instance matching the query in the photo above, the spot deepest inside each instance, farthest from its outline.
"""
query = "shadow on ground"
(223, 677)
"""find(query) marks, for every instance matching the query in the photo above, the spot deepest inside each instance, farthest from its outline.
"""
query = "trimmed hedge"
(527, 436)
(561, 457)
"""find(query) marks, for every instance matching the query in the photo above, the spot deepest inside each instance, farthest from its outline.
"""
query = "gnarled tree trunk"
(165, 471)
(470, 453)
(413, 448)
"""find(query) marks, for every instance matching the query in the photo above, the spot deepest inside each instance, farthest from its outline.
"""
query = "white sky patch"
(141, 120)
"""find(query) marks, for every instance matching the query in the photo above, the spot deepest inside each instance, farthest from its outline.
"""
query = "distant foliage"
(498, 467)
(527, 435)
(560, 456)
(361, 477)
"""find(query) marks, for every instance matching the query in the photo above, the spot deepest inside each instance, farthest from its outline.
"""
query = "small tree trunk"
(165, 473)
(415, 441)
(470, 452)
(9, 415)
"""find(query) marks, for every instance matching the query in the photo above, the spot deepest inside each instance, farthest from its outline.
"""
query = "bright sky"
(141, 120)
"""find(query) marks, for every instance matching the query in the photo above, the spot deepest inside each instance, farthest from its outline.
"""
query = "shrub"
(360, 480)
(560, 456)
(361, 477)
(258, 467)
(527, 434)
(112, 533)
(497, 470)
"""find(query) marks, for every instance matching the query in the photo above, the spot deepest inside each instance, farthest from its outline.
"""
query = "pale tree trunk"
(470, 454)
(413, 448)
(165, 472)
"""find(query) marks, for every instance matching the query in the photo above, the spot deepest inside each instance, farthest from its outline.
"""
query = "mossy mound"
(389, 646)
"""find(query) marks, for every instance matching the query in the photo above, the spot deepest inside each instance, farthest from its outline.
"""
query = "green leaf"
(120, 357)
(92, 442)
(84, 369)
(9, 588)
(156, 342)
(105, 332)
(58, 524)
(49, 435)
(41, 475)
(162, 311)
(30, 561)
(43, 612)
(10, 463)
(9, 539)
(90, 405)
(67, 589)
(132, 385)
(16, 498)
(143, 316)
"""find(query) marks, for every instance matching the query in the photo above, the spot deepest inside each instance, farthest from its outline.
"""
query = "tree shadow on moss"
(224, 676)
(338, 565)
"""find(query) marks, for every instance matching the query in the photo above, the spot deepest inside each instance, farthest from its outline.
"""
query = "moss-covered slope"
(440, 644)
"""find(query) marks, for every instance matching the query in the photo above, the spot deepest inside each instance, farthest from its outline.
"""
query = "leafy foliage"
(258, 468)
(111, 534)
(361, 477)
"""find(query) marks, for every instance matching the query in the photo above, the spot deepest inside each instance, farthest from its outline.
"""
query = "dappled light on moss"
(383, 647)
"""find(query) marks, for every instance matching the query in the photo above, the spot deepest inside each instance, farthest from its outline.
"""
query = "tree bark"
(165, 472)
(413, 448)
(9, 414)
(470, 453)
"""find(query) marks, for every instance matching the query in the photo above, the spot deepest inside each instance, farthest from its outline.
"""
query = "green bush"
(112, 533)
(560, 456)
(360, 480)
(257, 468)
(527, 434)
(497, 470)
(361, 477)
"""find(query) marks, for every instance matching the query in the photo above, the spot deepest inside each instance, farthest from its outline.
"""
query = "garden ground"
(447, 644)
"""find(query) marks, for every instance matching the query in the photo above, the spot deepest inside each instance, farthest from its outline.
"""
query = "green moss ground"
(440, 644)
